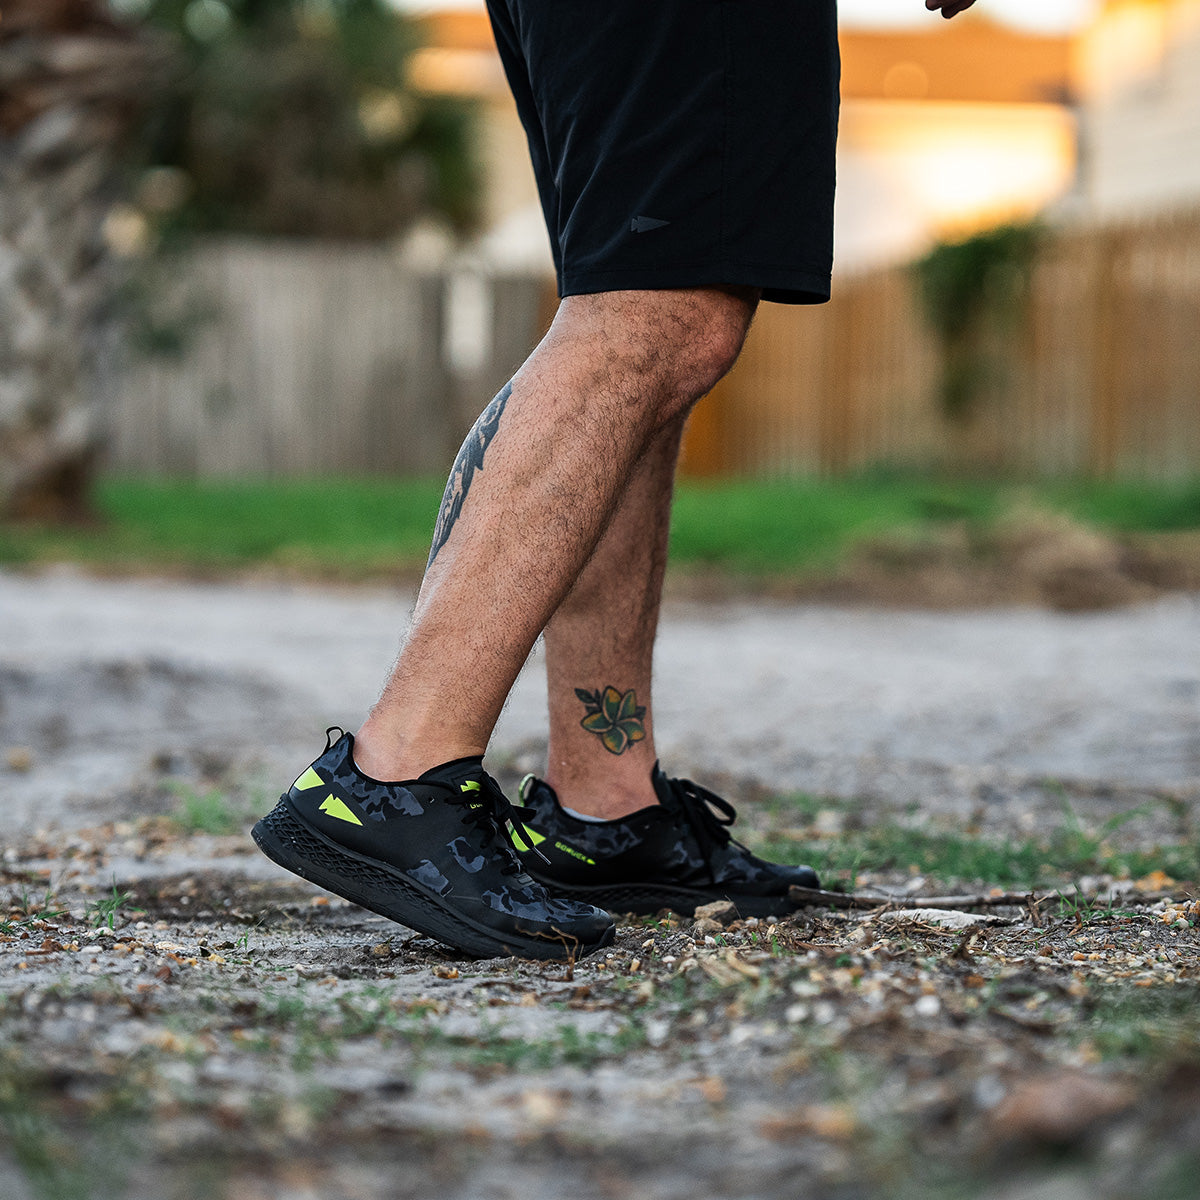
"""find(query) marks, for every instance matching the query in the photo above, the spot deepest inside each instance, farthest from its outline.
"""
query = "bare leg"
(602, 637)
(533, 490)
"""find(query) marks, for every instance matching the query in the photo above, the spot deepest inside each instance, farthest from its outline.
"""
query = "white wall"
(1140, 78)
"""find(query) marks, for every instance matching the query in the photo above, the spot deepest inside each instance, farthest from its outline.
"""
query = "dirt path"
(178, 1019)
(104, 682)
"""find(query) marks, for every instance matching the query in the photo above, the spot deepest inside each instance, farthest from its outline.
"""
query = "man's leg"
(600, 643)
(609, 828)
(536, 484)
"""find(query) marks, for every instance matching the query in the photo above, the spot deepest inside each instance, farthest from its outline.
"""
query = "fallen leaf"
(1156, 881)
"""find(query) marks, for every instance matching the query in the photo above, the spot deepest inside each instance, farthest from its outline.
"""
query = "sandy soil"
(106, 683)
(180, 1019)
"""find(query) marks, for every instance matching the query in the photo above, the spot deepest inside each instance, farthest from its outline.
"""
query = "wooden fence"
(315, 359)
(1099, 373)
(319, 359)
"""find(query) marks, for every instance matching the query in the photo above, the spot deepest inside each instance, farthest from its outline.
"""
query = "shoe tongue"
(663, 789)
(457, 773)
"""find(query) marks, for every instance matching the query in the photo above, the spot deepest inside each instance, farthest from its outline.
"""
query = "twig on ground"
(570, 945)
(816, 897)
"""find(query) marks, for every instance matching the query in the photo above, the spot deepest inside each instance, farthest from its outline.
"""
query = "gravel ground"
(180, 1019)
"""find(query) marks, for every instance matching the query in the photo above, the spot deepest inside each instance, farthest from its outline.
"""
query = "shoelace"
(491, 810)
(708, 814)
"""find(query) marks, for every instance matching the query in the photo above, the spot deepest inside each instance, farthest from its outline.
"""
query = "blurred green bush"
(295, 118)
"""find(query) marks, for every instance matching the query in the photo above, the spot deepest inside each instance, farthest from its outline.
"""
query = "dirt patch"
(1030, 558)
(1002, 716)
(180, 1020)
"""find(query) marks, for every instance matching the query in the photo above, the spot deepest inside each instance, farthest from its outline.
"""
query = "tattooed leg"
(532, 493)
(602, 738)
(469, 460)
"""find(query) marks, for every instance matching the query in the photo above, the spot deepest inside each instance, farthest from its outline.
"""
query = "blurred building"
(1138, 76)
(947, 130)
(944, 130)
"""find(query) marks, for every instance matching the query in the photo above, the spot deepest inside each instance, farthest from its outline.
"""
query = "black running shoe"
(676, 854)
(431, 853)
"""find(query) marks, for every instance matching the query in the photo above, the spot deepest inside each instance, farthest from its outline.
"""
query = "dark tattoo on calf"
(614, 717)
(469, 460)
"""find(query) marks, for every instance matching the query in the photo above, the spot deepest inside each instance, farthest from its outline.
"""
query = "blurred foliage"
(968, 290)
(960, 279)
(293, 117)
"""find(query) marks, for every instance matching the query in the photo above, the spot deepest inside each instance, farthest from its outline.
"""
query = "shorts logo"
(645, 224)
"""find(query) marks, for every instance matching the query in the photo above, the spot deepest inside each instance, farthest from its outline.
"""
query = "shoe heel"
(273, 833)
(287, 841)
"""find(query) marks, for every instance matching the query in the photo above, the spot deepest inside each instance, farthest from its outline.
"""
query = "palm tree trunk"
(69, 84)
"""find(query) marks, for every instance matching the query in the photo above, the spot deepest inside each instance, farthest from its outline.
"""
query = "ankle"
(605, 800)
(386, 757)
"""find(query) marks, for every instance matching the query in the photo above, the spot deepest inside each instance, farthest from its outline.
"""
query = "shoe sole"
(288, 840)
(646, 899)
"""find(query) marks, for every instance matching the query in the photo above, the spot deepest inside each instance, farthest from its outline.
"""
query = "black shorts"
(680, 143)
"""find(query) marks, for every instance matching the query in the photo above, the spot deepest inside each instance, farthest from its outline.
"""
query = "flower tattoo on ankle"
(614, 717)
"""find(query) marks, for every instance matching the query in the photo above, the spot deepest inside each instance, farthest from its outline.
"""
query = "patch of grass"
(24, 912)
(62, 1152)
(1131, 507)
(361, 527)
(799, 525)
(339, 526)
(103, 912)
(888, 846)
(1043, 860)
(242, 942)
(1084, 911)
(1159, 1022)
(807, 525)
(211, 812)
(799, 806)
(316, 1028)
(566, 1046)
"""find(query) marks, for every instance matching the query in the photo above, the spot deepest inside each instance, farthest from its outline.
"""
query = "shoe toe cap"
(799, 876)
(584, 921)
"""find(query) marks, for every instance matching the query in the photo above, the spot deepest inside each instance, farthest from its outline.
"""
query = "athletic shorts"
(680, 143)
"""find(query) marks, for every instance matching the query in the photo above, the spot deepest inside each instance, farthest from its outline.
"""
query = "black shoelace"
(707, 814)
(490, 810)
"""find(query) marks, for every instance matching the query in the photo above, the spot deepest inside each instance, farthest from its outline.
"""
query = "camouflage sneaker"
(676, 854)
(431, 853)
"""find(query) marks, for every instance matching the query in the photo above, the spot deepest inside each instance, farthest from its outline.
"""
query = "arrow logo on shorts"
(645, 224)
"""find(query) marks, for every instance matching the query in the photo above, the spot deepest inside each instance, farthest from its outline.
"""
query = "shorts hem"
(779, 284)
